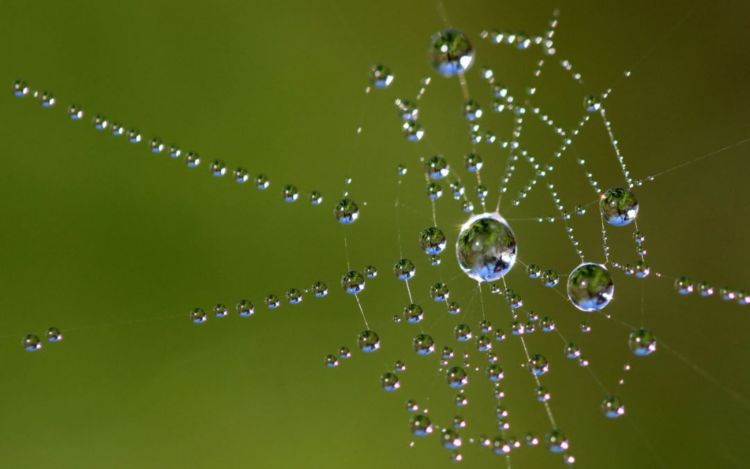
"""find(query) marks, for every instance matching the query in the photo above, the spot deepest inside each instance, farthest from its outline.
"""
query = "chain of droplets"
(192, 159)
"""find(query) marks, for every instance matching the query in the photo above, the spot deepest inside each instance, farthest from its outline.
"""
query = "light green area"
(115, 246)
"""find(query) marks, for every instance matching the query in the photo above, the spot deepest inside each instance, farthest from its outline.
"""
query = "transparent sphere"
(368, 341)
(380, 76)
(346, 211)
(353, 282)
(432, 240)
(421, 425)
(424, 344)
(619, 206)
(456, 377)
(32, 343)
(404, 269)
(612, 407)
(590, 287)
(486, 247)
(389, 382)
(451, 52)
(642, 342)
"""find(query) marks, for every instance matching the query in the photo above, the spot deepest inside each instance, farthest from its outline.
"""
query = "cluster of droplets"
(191, 159)
(33, 343)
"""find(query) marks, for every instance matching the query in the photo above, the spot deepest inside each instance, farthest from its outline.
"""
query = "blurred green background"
(115, 245)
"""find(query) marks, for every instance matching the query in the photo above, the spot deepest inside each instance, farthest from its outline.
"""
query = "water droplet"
(683, 285)
(221, 311)
(316, 198)
(245, 308)
(345, 353)
(538, 364)
(134, 136)
(47, 100)
(20, 89)
(612, 407)
(619, 206)
(556, 442)
(472, 110)
(432, 240)
(592, 104)
(423, 344)
(421, 425)
(486, 247)
(380, 76)
(437, 167)
(473, 162)
(289, 193)
(32, 343)
(404, 269)
(462, 332)
(456, 377)
(590, 287)
(413, 131)
(272, 301)
(451, 52)
(294, 296)
(353, 282)
(346, 211)
(407, 110)
(368, 341)
(156, 146)
(389, 382)
(550, 278)
(192, 159)
(450, 439)
(198, 316)
(54, 335)
(439, 292)
(100, 122)
(413, 314)
(75, 112)
(411, 406)
(320, 289)
(262, 182)
(331, 361)
(642, 342)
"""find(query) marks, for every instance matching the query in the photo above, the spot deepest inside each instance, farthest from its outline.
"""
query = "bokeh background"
(115, 245)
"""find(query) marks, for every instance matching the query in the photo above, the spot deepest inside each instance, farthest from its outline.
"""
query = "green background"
(115, 245)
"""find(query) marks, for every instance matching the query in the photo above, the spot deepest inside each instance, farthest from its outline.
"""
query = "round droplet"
(346, 211)
(486, 247)
(331, 361)
(423, 344)
(221, 311)
(353, 282)
(439, 292)
(371, 271)
(612, 407)
(192, 159)
(380, 76)
(290, 193)
(472, 110)
(683, 285)
(619, 206)
(591, 104)
(462, 332)
(404, 269)
(451, 52)
(320, 289)
(198, 316)
(407, 110)
(556, 442)
(437, 167)
(421, 425)
(156, 146)
(20, 88)
(642, 342)
(272, 301)
(473, 162)
(590, 287)
(262, 182)
(75, 112)
(413, 131)
(389, 382)
(316, 198)
(456, 377)
(413, 314)
(345, 353)
(368, 341)
(450, 439)
(294, 296)
(32, 343)
(240, 175)
(54, 335)
(550, 278)
(245, 308)
(538, 364)
(432, 240)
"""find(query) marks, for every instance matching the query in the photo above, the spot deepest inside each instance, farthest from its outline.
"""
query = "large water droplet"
(590, 287)
(486, 247)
